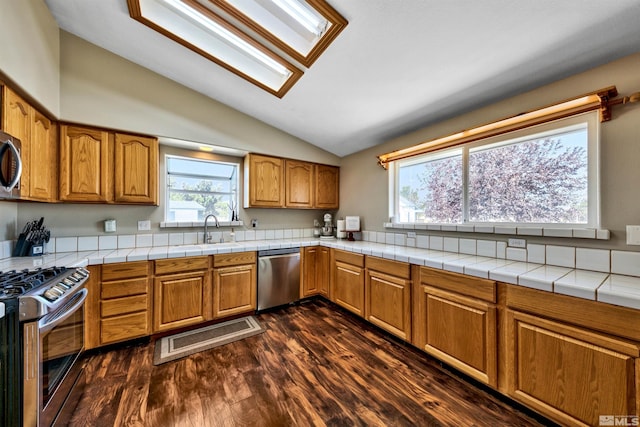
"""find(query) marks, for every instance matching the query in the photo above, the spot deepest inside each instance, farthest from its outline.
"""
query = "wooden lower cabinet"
(570, 374)
(119, 303)
(347, 284)
(458, 329)
(183, 297)
(316, 268)
(234, 284)
(388, 296)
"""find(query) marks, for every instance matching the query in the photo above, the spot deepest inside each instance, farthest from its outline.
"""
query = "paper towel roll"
(340, 233)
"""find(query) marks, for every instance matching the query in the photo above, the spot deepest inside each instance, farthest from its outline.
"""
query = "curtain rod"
(598, 100)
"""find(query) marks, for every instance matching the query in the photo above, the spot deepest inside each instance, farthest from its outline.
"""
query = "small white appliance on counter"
(352, 224)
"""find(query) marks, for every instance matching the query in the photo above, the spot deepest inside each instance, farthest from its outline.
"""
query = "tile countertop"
(610, 288)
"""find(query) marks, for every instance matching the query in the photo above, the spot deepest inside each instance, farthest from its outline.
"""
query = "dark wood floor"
(315, 365)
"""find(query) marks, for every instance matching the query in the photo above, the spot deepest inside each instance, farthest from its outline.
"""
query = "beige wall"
(364, 184)
(30, 50)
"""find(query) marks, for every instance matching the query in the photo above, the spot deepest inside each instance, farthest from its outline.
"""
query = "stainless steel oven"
(41, 344)
(52, 346)
(10, 166)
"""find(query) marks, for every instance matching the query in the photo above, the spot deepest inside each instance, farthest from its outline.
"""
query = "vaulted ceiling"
(397, 66)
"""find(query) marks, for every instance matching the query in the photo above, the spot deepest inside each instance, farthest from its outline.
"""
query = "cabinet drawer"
(394, 268)
(125, 327)
(483, 289)
(179, 265)
(237, 258)
(114, 307)
(125, 270)
(349, 258)
(124, 288)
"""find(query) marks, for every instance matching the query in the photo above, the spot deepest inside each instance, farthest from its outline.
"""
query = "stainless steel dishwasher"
(278, 277)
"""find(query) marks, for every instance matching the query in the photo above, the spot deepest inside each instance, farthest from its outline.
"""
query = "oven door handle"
(68, 309)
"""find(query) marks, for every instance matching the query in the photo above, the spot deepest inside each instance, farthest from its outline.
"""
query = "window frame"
(167, 189)
(533, 132)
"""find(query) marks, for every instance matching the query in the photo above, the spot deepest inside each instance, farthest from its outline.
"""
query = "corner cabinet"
(273, 182)
(455, 320)
(315, 271)
(38, 137)
(98, 166)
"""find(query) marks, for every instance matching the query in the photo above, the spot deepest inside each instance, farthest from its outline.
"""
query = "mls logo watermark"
(619, 420)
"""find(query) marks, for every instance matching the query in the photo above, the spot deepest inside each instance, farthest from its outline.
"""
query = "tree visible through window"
(538, 179)
(197, 188)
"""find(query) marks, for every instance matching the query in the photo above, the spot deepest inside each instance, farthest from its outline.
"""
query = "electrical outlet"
(411, 234)
(144, 225)
(633, 234)
(254, 223)
(518, 243)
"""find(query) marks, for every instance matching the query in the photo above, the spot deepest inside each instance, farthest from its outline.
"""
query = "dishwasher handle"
(278, 252)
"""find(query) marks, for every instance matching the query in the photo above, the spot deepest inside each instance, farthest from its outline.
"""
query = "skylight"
(300, 28)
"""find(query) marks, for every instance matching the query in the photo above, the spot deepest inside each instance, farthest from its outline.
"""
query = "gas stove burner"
(15, 283)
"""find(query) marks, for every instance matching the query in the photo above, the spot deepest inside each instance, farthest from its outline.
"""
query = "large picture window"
(546, 175)
(197, 188)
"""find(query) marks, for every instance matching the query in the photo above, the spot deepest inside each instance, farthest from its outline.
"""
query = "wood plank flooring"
(315, 365)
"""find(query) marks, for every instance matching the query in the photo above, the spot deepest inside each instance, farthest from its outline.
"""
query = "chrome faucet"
(206, 237)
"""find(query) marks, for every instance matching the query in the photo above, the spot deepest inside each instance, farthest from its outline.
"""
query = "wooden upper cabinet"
(136, 169)
(85, 164)
(99, 166)
(37, 135)
(264, 182)
(300, 184)
(273, 182)
(16, 120)
(327, 187)
(43, 161)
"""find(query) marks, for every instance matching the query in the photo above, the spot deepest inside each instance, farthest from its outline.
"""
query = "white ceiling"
(398, 65)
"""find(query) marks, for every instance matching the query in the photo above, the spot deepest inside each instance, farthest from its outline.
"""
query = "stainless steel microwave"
(10, 166)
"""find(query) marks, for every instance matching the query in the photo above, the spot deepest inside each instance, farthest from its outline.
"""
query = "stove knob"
(77, 277)
(73, 277)
(60, 287)
(51, 295)
(67, 282)
(57, 290)
(63, 285)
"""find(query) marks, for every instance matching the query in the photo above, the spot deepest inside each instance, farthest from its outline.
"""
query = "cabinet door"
(180, 300)
(309, 284)
(327, 187)
(323, 270)
(85, 162)
(299, 181)
(234, 290)
(136, 169)
(16, 121)
(348, 289)
(43, 159)
(458, 330)
(265, 181)
(570, 374)
(389, 303)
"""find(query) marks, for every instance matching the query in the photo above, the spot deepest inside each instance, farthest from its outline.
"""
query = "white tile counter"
(594, 285)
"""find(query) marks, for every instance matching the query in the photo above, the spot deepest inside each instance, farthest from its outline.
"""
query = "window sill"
(575, 233)
(200, 224)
